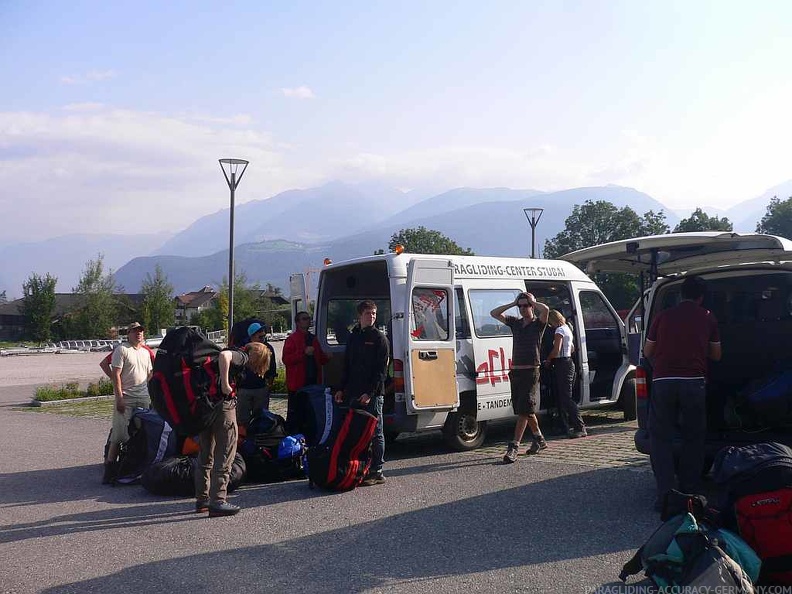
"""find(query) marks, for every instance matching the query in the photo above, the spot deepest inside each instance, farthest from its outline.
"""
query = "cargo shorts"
(524, 390)
(120, 431)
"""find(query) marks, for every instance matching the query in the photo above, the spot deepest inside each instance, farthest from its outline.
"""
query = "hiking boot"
(373, 479)
(201, 506)
(511, 453)
(110, 473)
(576, 433)
(537, 446)
(223, 508)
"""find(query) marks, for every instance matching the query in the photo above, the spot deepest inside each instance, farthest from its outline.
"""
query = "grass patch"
(95, 409)
(71, 390)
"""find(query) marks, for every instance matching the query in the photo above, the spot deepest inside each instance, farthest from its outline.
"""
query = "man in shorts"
(131, 370)
(526, 366)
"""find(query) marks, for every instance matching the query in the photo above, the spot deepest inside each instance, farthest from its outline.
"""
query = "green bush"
(71, 390)
(279, 385)
(104, 387)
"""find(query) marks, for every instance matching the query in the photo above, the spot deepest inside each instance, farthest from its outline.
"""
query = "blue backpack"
(684, 552)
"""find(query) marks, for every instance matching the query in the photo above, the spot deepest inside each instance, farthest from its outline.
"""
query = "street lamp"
(533, 215)
(233, 170)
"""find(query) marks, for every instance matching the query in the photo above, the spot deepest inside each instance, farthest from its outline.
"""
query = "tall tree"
(38, 306)
(594, 223)
(701, 221)
(778, 218)
(426, 241)
(97, 304)
(599, 222)
(158, 305)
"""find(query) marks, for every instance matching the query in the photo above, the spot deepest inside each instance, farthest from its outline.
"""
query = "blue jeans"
(682, 400)
(378, 443)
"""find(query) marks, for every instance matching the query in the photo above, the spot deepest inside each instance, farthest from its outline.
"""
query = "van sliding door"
(430, 365)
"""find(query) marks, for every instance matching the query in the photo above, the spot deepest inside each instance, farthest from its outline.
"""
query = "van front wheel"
(462, 432)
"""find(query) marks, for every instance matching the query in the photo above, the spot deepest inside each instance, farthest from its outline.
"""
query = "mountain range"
(295, 230)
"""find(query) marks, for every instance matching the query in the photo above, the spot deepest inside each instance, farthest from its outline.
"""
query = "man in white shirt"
(130, 371)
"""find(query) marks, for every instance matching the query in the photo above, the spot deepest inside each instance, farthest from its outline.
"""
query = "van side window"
(429, 314)
(461, 322)
(482, 302)
(596, 314)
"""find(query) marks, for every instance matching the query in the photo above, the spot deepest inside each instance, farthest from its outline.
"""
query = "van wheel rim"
(468, 427)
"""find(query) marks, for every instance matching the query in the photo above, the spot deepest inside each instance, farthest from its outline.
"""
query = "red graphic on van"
(495, 369)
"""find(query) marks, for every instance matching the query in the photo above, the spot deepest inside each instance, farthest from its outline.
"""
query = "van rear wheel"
(463, 432)
(628, 400)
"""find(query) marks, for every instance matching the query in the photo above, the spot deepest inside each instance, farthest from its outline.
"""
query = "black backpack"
(341, 462)
(176, 476)
(185, 385)
(262, 450)
(151, 440)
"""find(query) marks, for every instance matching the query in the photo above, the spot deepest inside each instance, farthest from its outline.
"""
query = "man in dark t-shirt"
(679, 342)
(526, 365)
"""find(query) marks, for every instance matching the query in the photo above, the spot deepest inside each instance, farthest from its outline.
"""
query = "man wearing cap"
(131, 370)
(253, 391)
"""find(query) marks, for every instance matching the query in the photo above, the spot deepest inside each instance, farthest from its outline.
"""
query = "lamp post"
(233, 170)
(533, 215)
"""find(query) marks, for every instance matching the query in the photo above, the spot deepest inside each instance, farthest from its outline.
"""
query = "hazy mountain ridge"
(492, 227)
(328, 210)
(338, 221)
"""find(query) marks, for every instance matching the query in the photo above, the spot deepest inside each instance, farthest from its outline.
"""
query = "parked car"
(749, 290)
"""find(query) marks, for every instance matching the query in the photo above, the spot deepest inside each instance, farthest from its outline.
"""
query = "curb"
(39, 403)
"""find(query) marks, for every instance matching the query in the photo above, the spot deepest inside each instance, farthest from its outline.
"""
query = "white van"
(749, 290)
(449, 358)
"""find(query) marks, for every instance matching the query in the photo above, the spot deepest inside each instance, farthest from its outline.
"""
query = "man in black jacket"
(363, 383)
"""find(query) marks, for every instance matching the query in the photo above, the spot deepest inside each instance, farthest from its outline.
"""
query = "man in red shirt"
(680, 341)
(303, 358)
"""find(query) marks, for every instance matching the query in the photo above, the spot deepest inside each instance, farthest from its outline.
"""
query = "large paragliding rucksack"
(185, 386)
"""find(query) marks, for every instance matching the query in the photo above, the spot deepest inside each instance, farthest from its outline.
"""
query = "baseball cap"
(253, 328)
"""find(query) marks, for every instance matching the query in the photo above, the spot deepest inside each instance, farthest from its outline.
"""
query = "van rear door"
(680, 252)
(298, 296)
(430, 365)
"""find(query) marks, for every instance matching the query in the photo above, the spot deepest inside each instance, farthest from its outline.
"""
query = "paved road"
(564, 521)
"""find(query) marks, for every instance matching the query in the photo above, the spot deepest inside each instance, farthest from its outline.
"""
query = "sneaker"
(511, 453)
(537, 446)
(201, 506)
(377, 478)
(222, 509)
(576, 433)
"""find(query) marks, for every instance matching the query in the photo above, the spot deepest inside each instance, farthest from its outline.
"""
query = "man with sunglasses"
(525, 368)
(303, 358)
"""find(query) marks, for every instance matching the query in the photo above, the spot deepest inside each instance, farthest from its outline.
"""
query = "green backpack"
(684, 552)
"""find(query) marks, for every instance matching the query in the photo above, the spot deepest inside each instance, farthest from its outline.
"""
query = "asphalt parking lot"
(563, 521)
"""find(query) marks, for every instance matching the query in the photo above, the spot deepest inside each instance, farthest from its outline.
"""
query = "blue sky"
(113, 114)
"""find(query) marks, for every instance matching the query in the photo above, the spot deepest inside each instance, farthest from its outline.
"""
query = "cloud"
(86, 77)
(90, 168)
(301, 92)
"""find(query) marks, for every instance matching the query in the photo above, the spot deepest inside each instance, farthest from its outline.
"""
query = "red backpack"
(185, 386)
(757, 489)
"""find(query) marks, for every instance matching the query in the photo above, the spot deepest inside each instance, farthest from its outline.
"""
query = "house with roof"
(189, 304)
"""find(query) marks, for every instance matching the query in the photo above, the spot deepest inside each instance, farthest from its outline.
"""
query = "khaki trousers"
(218, 447)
